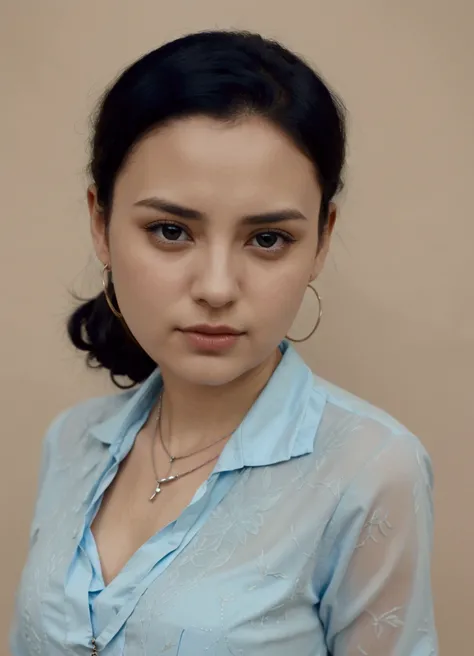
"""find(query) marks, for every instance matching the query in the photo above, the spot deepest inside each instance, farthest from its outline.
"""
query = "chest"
(243, 585)
(135, 507)
(241, 582)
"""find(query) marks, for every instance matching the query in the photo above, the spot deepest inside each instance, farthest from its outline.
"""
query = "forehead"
(200, 161)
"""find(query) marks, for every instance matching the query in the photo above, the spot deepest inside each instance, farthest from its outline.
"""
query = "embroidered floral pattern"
(299, 557)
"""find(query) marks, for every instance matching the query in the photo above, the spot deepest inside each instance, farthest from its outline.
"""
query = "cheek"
(144, 289)
(277, 298)
(139, 267)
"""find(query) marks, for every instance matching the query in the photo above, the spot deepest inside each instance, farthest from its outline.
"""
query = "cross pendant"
(159, 483)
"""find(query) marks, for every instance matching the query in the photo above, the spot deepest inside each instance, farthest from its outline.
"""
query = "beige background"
(399, 288)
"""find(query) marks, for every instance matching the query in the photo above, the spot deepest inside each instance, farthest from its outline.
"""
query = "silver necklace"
(174, 477)
(169, 478)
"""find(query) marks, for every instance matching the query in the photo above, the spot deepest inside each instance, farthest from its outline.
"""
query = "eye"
(272, 240)
(168, 232)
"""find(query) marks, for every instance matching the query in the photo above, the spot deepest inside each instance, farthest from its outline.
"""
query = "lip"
(208, 329)
(206, 338)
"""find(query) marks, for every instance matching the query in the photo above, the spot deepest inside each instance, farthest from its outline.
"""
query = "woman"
(229, 502)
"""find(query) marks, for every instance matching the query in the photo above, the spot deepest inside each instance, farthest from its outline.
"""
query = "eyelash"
(152, 228)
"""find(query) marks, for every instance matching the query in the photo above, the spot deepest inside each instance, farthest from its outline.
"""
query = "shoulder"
(91, 411)
(376, 470)
(349, 404)
(370, 448)
(98, 408)
(66, 430)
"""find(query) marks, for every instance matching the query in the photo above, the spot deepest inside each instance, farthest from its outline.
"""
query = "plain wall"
(398, 288)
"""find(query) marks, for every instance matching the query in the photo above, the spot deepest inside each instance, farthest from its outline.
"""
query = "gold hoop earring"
(318, 321)
(105, 284)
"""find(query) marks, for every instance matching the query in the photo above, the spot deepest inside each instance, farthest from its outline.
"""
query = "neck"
(196, 415)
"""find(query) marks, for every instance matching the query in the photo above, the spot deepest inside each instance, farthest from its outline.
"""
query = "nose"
(214, 281)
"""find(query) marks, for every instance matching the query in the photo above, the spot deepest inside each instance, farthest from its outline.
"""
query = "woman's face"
(212, 223)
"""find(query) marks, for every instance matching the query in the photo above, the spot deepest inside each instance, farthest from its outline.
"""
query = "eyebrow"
(162, 205)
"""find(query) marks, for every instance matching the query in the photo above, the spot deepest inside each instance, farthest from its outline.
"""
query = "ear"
(324, 243)
(98, 227)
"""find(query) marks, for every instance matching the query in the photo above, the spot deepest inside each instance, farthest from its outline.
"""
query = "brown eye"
(171, 232)
(272, 240)
(267, 239)
(168, 232)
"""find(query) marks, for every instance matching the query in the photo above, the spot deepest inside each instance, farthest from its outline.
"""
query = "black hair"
(223, 75)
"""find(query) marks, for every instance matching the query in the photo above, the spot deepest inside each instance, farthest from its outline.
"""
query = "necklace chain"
(173, 477)
(170, 477)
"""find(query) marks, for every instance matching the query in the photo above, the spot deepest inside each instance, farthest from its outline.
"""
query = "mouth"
(216, 330)
(209, 338)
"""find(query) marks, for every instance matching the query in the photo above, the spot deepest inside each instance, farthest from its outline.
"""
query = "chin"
(206, 369)
(212, 370)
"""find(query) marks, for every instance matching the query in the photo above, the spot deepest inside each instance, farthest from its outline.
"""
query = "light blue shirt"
(312, 536)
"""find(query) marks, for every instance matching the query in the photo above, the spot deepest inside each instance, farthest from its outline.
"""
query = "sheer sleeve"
(45, 469)
(377, 599)
(45, 466)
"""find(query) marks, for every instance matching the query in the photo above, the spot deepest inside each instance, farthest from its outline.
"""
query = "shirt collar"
(283, 421)
(281, 424)
(136, 405)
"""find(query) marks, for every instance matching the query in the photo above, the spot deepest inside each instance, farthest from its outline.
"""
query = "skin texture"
(217, 269)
